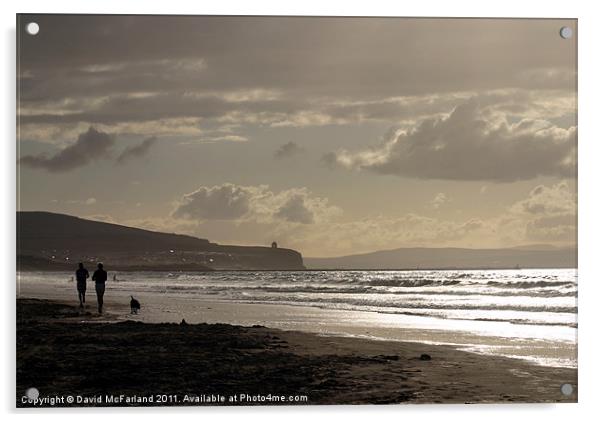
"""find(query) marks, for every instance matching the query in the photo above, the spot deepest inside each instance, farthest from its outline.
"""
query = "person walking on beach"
(100, 277)
(81, 275)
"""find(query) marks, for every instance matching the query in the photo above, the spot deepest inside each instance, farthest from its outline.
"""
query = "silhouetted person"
(134, 305)
(81, 275)
(100, 277)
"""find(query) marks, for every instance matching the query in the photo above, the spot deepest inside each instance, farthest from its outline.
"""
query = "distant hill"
(48, 241)
(536, 256)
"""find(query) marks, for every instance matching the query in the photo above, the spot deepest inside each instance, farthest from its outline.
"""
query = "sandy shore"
(63, 352)
(543, 344)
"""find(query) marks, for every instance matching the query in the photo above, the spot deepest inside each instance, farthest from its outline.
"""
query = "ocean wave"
(417, 282)
(531, 284)
(463, 281)
(377, 304)
(465, 291)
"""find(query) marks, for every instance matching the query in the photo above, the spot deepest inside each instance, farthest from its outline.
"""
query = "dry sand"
(63, 352)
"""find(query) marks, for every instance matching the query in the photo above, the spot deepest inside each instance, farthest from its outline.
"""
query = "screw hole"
(32, 28)
(32, 393)
(566, 32)
(566, 389)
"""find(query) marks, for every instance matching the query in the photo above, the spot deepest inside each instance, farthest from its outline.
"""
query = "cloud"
(469, 144)
(547, 201)
(155, 78)
(296, 218)
(90, 146)
(89, 201)
(105, 218)
(253, 203)
(549, 213)
(439, 200)
(182, 114)
(295, 210)
(215, 139)
(288, 150)
(349, 50)
(225, 202)
(136, 151)
(378, 233)
(546, 215)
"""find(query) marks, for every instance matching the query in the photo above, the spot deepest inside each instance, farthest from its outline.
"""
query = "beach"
(525, 314)
(65, 352)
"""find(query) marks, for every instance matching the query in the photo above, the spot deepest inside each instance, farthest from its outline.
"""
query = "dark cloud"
(470, 144)
(367, 55)
(114, 69)
(90, 146)
(288, 150)
(136, 151)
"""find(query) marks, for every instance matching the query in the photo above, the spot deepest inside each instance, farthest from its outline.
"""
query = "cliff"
(47, 241)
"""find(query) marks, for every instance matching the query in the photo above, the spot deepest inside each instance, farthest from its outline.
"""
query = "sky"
(331, 136)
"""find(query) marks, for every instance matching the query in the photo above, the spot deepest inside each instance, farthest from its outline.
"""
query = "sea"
(529, 314)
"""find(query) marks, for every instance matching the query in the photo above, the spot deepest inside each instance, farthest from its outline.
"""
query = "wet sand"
(64, 352)
(533, 343)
